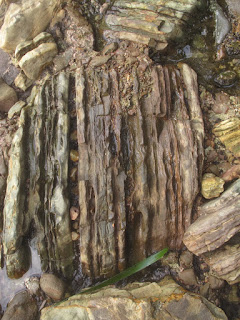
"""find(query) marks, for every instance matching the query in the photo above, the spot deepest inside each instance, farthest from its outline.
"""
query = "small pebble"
(75, 236)
(74, 213)
(74, 155)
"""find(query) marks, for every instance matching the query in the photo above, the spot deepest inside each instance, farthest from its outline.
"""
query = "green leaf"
(128, 272)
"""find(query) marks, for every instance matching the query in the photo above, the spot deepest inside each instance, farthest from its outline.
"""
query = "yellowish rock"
(33, 62)
(228, 132)
(212, 186)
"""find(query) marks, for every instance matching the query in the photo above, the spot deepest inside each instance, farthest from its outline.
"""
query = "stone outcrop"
(140, 155)
(149, 22)
(164, 300)
(218, 222)
(39, 192)
(24, 20)
(8, 96)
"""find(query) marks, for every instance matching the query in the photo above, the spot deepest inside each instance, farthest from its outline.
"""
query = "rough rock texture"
(149, 22)
(164, 300)
(39, 194)
(212, 186)
(52, 286)
(219, 220)
(21, 307)
(33, 62)
(228, 132)
(24, 20)
(225, 262)
(140, 156)
(8, 96)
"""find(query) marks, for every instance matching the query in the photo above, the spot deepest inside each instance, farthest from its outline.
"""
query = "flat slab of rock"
(8, 96)
(33, 62)
(24, 20)
(219, 221)
(164, 300)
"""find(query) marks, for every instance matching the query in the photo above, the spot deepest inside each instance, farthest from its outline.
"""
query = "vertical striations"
(140, 155)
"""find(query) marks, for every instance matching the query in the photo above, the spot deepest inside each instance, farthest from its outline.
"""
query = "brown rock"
(52, 286)
(188, 277)
(8, 96)
(232, 174)
(215, 283)
(74, 213)
(219, 220)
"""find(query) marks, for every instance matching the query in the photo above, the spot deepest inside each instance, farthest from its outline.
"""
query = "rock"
(52, 286)
(232, 173)
(234, 7)
(212, 186)
(8, 96)
(149, 22)
(110, 48)
(164, 300)
(23, 82)
(99, 60)
(226, 78)
(36, 60)
(18, 263)
(218, 222)
(52, 118)
(24, 20)
(215, 283)
(16, 109)
(225, 262)
(74, 213)
(75, 236)
(21, 307)
(228, 132)
(62, 61)
(188, 277)
(222, 25)
(74, 155)
(22, 48)
(186, 259)
(132, 171)
(33, 285)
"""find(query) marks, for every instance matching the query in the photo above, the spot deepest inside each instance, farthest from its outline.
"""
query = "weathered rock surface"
(33, 62)
(52, 286)
(140, 155)
(149, 22)
(24, 20)
(212, 186)
(39, 194)
(8, 96)
(218, 222)
(225, 262)
(164, 300)
(228, 132)
(21, 307)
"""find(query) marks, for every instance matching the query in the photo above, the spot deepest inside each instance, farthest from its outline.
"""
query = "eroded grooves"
(138, 163)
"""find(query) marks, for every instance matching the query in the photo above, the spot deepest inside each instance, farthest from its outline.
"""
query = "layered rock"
(24, 20)
(37, 182)
(140, 155)
(218, 222)
(149, 22)
(8, 96)
(164, 300)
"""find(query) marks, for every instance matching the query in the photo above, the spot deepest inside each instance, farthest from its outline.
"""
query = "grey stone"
(21, 307)
(8, 96)
(52, 286)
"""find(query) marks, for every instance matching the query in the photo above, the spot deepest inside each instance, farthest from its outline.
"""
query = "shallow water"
(9, 287)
